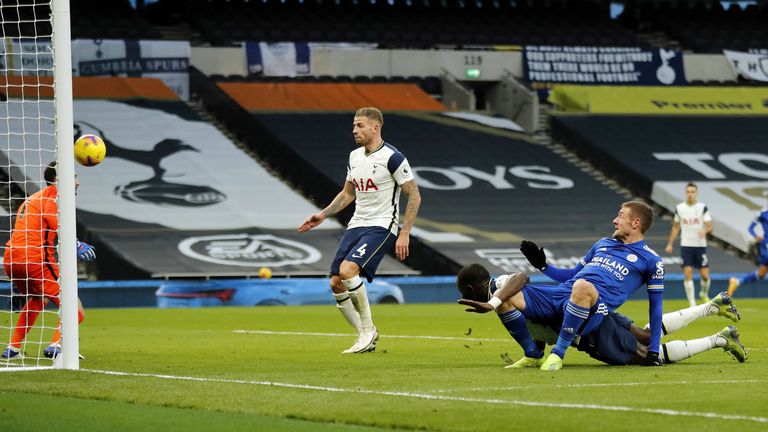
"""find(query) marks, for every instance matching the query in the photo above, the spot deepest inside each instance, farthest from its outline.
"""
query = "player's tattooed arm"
(411, 190)
(402, 244)
(342, 200)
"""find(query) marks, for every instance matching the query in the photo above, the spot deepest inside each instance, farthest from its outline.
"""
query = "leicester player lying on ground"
(608, 274)
(617, 341)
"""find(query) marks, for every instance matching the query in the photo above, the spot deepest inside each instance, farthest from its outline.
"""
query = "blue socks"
(517, 327)
(752, 277)
(572, 321)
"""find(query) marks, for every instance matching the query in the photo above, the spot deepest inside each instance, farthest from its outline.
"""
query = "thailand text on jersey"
(617, 270)
(691, 219)
(377, 178)
(34, 234)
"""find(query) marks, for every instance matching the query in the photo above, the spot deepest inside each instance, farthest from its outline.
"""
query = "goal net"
(36, 216)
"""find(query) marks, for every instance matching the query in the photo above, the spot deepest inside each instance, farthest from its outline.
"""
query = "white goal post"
(36, 127)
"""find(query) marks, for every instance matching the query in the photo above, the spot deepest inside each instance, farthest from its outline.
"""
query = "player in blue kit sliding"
(376, 173)
(617, 341)
(606, 277)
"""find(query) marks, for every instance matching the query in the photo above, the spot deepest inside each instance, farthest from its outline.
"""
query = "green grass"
(188, 369)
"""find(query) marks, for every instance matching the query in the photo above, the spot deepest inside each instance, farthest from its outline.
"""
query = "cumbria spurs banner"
(544, 65)
(166, 60)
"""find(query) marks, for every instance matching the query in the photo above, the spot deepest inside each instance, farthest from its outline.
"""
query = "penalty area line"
(384, 336)
(422, 396)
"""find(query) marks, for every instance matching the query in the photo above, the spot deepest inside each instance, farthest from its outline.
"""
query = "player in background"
(693, 222)
(606, 277)
(617, 341)
(376, 173)
(30, 261)
(762, 252)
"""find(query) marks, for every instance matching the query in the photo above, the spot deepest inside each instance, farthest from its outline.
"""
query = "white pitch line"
(621, 384)
(618, 408)
(386, 336)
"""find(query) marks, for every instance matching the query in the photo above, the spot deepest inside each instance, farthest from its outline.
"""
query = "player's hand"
(312, 221)
(534, 254)
(401, 246)
(759, 239)
(476, 306)
(668, 249)
(85, 252)
(652, 359)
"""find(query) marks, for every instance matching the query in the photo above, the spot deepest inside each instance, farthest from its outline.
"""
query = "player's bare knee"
(505, 307)
(583, 291)
(348, 270)
(336, 285)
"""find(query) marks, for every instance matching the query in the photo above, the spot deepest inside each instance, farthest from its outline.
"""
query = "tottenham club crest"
(249, 250)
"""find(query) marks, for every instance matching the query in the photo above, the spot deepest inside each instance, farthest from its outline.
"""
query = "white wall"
(707, 67)
(215, 60)
(227, 61)
(327, 61)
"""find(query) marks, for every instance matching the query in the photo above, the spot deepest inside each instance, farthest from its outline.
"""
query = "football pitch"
(435, 368)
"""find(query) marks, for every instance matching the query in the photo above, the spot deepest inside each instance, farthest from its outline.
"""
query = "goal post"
(62, 78)
(36, 128)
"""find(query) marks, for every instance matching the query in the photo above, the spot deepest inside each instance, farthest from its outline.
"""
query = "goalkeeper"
(30, 262)
(616, 341)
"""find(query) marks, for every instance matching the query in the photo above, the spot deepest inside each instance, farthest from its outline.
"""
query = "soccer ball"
(265, 273)
(90, 150)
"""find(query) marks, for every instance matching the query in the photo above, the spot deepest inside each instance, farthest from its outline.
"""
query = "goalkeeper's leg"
(26, 320)
(56, 340)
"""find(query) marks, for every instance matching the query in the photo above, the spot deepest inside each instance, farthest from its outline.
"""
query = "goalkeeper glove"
(652, 359)
(85, 252)
(534, 254)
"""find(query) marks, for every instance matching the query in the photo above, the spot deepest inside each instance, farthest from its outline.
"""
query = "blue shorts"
(364, 246)
(611, 342)
(546, 304)
(695, 257)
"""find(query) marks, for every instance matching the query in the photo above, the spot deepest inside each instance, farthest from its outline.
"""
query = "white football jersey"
(377, 178)
(691, 219)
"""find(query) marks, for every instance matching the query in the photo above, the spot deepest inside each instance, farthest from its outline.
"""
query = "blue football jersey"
(762, 220)
(617, 270)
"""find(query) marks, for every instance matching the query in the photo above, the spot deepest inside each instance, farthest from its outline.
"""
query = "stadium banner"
(748, 65)
(26, 57)
(277, 59)
(166, 60)
(733, 204)
(661, 100)
(544, 65)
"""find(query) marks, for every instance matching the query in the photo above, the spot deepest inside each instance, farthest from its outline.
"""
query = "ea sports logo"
(249, 250)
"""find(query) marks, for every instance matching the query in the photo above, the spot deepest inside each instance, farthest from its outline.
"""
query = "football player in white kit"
(693, 222)
(376, 174)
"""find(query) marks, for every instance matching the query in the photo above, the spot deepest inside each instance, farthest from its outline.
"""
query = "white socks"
(676, 320)
(347, 309)
(676, 351)
(359, 297)
(690, 292)
(705, 287)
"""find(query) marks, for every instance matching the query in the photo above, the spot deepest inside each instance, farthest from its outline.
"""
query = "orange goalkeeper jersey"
(34, 235)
